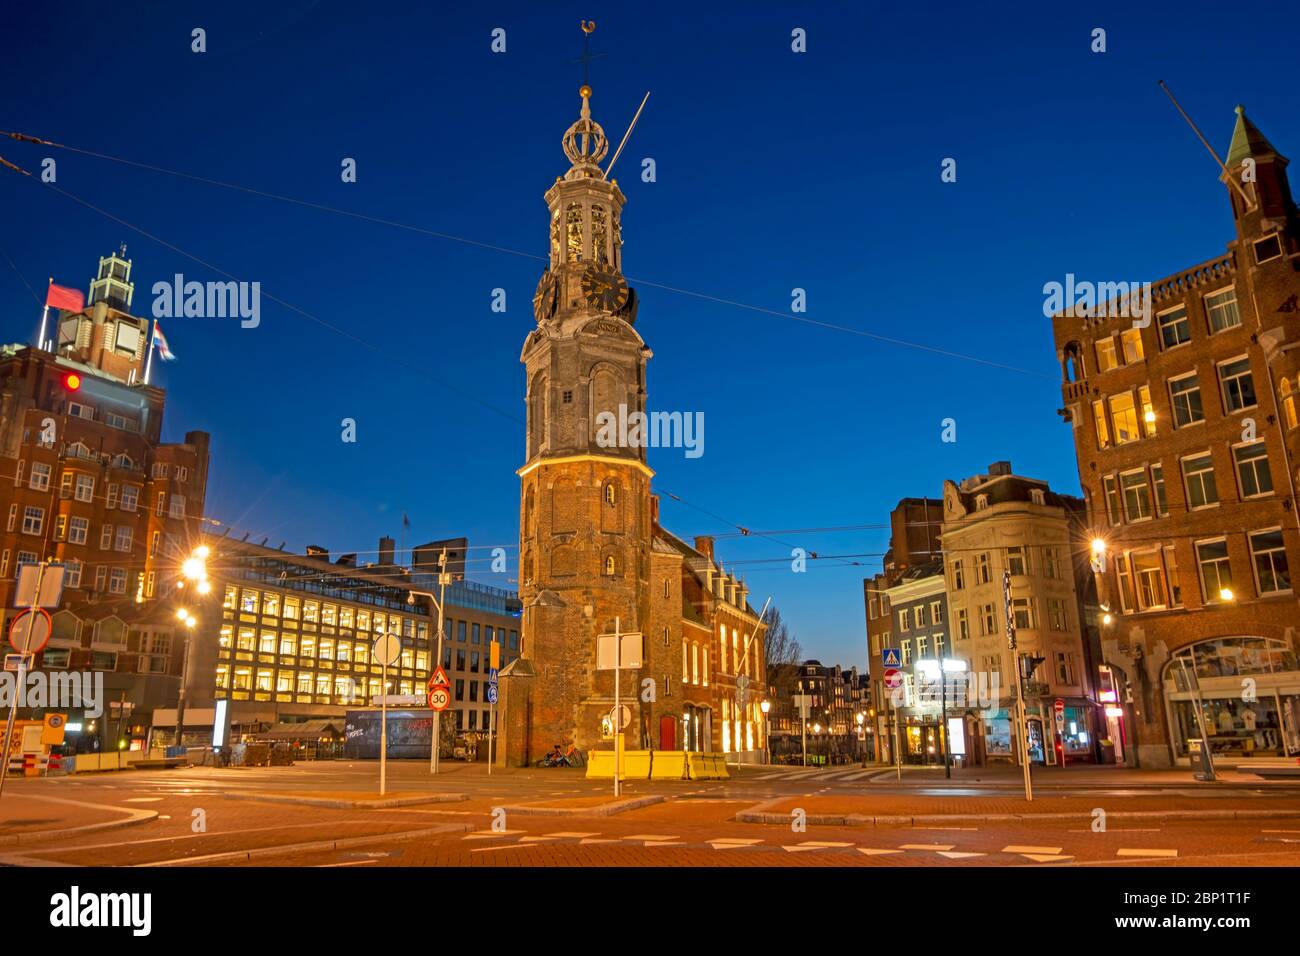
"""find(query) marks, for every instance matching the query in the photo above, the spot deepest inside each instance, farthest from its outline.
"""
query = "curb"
(601, 810)
(133, 818)
(756, 815)
(315, 845)
(338, 804)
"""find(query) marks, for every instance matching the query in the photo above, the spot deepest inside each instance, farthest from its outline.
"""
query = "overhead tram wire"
(396, 224)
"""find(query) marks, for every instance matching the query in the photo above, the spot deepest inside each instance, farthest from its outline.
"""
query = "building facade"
(288, 638)
(919, 605)
(89, 482)
(1187, 432)
(593, 558)
(1002, 523)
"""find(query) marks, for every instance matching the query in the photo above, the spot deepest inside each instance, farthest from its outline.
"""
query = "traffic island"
(29, 818)
(347, 799)
(923, 811)
(602, 806)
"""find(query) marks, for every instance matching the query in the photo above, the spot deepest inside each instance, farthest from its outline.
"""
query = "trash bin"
(1108, 751)
(1202, 769)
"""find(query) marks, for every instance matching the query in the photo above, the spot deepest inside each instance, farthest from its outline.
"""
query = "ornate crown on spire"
(584, 142)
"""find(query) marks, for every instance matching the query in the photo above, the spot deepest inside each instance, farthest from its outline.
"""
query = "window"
(85, 488)
(33, 520)
(1064, 673)
(1236, 384)
(1252, 470)
(1268, 248)
(1174, 328)
(162, 503)
(1099, 420)
(958, 576)
(1149, 580)
(1056, 614)
(1158, 482)
(919, 616)
(40, 478)
(117, 581)
(78, 529)
(1106, 357)
(122, 538)
(905, 620)
(1131, 342)
(1221, 310)
(1137, 495)
(1290, 417)
(1018, 560)
(476, 634)
(60, 527)
(1198, 476)
(983, 568)
(72, 573)
(130, 498)
(1171, 577)
(1268, 554)
(963, 625)
(1216, 570)
(981, 502)
(936, 612)
(111, 495)
(1111, 491)
(1022, 612)
(1185, 398)
(177, 509)
(1148, 413)
(922, 645)
(906, 647)
(105, 537)
(990, 621)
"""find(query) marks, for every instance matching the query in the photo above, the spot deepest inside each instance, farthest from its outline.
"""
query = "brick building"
(1185, 428)
(592, 553)
(92, 484)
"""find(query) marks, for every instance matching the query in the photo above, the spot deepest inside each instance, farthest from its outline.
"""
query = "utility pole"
(437, 714)
(22, 675)
(1022, 729)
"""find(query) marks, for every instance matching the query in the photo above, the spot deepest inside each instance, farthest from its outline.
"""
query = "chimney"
(704, 545)
(316, 551)
(347, 561)
(1000, 469)
(387, 548)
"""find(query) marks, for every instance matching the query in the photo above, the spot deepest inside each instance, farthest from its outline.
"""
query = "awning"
(303, 730)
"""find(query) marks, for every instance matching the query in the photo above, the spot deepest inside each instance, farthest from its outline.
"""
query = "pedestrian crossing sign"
(891, 657)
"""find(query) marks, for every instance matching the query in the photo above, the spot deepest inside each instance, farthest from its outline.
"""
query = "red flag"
(70, 300)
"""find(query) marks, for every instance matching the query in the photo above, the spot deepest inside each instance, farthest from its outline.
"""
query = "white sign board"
(802, 703)
(399, 700)
(607, 656)
(388, 649)
(51, 586)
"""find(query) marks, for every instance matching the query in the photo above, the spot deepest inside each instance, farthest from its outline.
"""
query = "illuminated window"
(266, 643)
(1131, 340)
(1124, 418)
(291, 608)
(1106, 356)
(1221, 310)
(1216, 569)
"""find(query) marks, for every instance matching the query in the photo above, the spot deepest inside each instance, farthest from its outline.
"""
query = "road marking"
(946, 828)
(730, 843)
(1146, 852)
(570, 835)
(1279, 831)
(590, 841)
(489, 834)
(508, 846)
(536, 839)
(874, 852)
(650, 837)
(799, 849)
(954, 855)
(143, 800)
(349, 863)
(664, 843)
(926, 846)
(829, 843)
(1017, 848)
(1046, 857)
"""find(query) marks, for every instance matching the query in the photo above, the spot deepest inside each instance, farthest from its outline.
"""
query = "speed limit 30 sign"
(440, 698)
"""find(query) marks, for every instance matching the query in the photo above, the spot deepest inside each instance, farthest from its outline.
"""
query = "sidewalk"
(28, 818)
(1069, 776)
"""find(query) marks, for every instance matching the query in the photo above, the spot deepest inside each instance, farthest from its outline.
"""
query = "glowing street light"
(1225, 594)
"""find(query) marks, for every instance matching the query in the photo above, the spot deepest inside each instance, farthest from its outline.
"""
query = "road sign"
(620, 716)
(893, 678)
(51, 585)
(492, 675)
(492, 693)
(1059, 706)
(53, 729)
(388, 649)
(439, 679)
(397, 700)
(14, 662)
(30, 630)
(439, 698)
(494, 656)
(802, 703)
(891, 657)
(607, 651)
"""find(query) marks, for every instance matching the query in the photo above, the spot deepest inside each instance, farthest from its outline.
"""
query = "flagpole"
(148, 361)
(45, 314)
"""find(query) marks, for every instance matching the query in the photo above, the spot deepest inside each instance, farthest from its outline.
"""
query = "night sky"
(775, 170)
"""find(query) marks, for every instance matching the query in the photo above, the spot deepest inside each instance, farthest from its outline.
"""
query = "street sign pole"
(1022, 725)
(383, 732)
(22, 676)
(618, 709)
(437, 714)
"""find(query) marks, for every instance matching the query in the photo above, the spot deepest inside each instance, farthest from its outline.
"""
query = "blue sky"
(775, 170)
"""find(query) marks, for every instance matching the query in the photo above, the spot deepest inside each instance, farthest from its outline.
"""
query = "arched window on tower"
(611, 493)
(555, 238)
(610, 566)
(1290, 418)
(1072, 363)
(573, 233)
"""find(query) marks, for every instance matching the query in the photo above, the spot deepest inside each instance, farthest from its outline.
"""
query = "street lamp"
(194, 568)
(437, 602)
(1225, 594)
(765, 706)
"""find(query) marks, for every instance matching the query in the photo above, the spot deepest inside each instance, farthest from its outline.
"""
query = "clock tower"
(585, 523)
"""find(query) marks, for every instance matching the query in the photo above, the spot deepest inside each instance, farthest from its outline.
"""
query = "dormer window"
(1036, 496)
(981, 502)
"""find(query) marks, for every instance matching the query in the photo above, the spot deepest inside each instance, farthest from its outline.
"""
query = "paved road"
(693, 825)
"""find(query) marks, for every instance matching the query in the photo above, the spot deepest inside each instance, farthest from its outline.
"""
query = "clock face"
(545, 298)
(604, 289)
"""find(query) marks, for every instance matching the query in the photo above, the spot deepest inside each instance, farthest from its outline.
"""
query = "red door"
(667, 733)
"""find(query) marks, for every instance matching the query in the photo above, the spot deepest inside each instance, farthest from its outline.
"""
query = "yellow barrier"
(668, 765)
(707, 766)
(600, 764)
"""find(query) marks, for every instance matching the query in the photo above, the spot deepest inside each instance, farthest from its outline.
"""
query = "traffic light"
(71, 382)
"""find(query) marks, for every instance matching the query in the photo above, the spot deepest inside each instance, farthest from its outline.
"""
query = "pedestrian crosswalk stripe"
(1016, 848)
(650, 837)
(799, 849)
(830, 843)
(1146, 852)
(536, 839)
(874, 852)
(957, 855)
(568, 835)
(664, 843)
(489, 834)
(730, 843)
(926, 846)
(590, 840)
(1045, 857)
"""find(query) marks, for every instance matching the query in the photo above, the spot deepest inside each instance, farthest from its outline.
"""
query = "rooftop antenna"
(1229, 177)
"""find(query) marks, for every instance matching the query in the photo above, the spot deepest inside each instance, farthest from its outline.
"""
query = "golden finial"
(588, 26)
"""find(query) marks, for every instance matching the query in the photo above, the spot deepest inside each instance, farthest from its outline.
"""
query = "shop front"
(1243, 693)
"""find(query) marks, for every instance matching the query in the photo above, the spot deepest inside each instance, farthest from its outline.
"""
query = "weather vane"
(588, 28)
